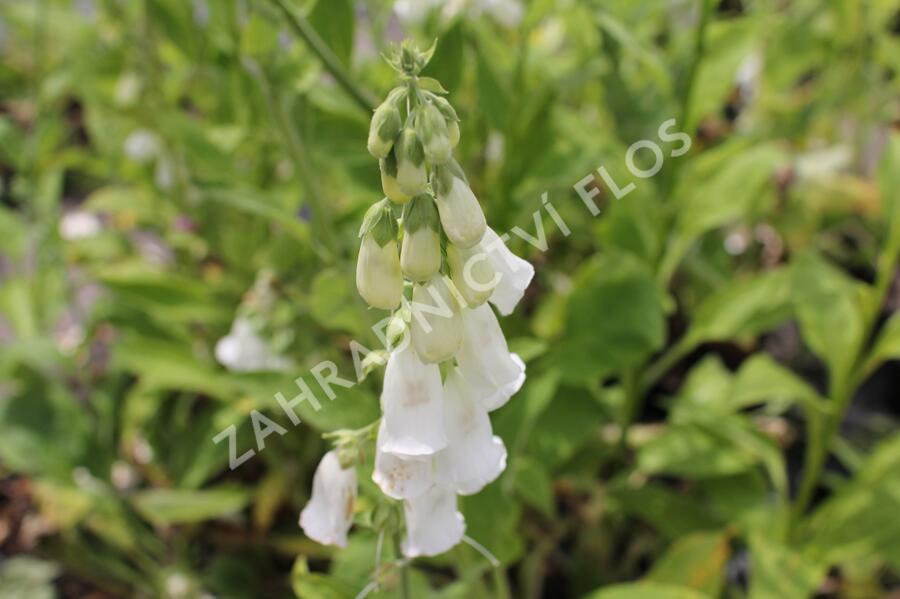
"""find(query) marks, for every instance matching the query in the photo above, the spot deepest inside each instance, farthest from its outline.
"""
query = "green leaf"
(181, 506)
(447, 64)
(887, 345)
(313, 585)
(779, 571)
(258, 37)
(823, 297)
(23, 577)
(334, 302)
(645, 590)
(762, 380)
(696, 561)
(334, 21)
(533, 484)
(692, 450)
(614, 319)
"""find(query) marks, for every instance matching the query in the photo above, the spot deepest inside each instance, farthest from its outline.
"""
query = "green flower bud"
(432, 129)
(450, 117)
(411, 174)
(472, 273)
(461, 215)
(389, 182)
(453, 133)
(420, 254)
(385, 126)
(378, 277)
(435, 328)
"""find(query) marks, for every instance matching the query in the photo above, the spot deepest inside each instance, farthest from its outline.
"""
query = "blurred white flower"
(243, 350)
(492, 373)
(433, 524)
(412, 403)
(515, 273)
(474, 456)
(142, 146)
(79, 224)
(329, 514)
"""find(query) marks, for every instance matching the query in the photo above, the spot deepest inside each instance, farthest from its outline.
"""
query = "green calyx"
(407, 59)
(444, 107)
(409, 147)
(430, 123)
(420, 212)
(379, 222)
(444, 175)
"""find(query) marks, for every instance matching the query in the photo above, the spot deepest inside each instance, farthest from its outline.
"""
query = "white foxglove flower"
(411, 174)
(389, 180)
(142, 146)
(378, 277)
(434, 135)
(420, 254)
(329, 514)
(515, 273)
(401, 478)
(491, 371)
(243, 350)
(435, 327)
(385, 127)
(413, 406)
(472, 273)
(461, 214)
(474, 456)
(433, 524)
(79, 224)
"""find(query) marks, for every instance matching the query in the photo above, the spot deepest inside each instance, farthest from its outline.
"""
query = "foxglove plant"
(427, 254)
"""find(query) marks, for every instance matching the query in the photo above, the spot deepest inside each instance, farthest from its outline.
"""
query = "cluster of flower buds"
(440, 267)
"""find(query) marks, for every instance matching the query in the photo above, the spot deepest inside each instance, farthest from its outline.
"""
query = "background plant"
(734, 314)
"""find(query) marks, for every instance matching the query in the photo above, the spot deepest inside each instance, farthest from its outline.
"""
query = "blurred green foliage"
(157, 156)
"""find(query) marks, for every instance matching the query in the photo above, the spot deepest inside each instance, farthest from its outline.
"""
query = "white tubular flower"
(433, 131)
(435, 328)
(491, 371)
(329, 514)
(378, 277)
(472, 273)
(413, 423)
(515, 273)
(389, 182)
(474, 456)
(433, 524)
(401, 478)
(385, 126)
(243, 350)
(420, 255)
(411, 174)
(461, 214)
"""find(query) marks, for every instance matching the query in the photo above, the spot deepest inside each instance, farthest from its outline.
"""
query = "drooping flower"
(401, 478)
(433, 524)
(420, 254)
(515, 273)
(493, 373)
(243, 350)
(432, 129)
(413, 406)
(389, 184)
(385, 126)
(329, 514)
(472, 273)
(378, 277)
(435, 327)
(411, 173)
(461, 214)
(474, 456)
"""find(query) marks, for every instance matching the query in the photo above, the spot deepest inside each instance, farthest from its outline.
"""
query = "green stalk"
(314, 41)
(405, 592)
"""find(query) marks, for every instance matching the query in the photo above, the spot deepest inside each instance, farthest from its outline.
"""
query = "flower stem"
(308, 34)
(405, 592)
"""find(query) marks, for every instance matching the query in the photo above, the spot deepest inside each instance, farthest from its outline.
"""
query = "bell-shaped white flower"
(378, 276)
(433, 524)
(461, 214)
(411, 173)
(329, 514)
(243, 350)
(515, 273)
(474, 456)
(491, 371)
(420, 254)
(389, 183)
(435, 327)
(413, 423)
(401, 478)
(472, 273)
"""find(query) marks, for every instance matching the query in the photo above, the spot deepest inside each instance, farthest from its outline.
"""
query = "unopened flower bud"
(385, 127)
(461, 215)
(453, 133)
(420, 254)
(378, 276)
(435, 328)
(450, 117)
(432, 130)
(472, 273)
(389, 183)
(411, 175)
